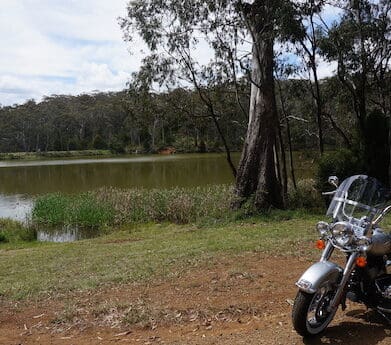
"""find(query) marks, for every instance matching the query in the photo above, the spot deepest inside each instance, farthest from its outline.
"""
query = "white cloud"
(326, 69)
(70, 47)
(56, 46)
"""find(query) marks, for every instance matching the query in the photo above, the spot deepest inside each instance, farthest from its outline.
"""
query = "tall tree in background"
(173, 29)
(361, 44)
(309, 51)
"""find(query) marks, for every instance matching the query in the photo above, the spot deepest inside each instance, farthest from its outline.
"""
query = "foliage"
(360, 43)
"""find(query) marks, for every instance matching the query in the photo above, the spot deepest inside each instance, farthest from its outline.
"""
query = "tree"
(172, 31)
(361, 44)
(308, 49)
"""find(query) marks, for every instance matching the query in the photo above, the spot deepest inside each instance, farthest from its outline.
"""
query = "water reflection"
(66, 234)
(34, 178)
(16, 207)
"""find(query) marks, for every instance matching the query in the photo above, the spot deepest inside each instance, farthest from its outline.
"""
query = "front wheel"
(310, 314)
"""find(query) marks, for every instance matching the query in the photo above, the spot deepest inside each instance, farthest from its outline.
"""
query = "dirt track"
(240, 300)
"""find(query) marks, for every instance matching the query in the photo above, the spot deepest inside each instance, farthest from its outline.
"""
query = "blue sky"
(67, 47)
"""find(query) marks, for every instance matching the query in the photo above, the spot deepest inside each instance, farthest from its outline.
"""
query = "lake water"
(21, 181)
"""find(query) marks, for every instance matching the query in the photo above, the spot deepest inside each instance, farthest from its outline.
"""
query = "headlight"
(343, 233)
(323, 228)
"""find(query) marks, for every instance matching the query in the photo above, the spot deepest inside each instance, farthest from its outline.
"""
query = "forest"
(126, 122)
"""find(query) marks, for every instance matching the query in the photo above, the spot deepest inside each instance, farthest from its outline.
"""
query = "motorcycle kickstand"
(388, 319)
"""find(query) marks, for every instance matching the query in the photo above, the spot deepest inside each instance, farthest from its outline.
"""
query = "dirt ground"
(232, 300)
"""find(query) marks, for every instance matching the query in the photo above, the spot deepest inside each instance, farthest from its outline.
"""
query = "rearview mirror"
(334, 181)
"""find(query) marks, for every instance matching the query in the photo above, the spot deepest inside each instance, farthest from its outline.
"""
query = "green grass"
(142, 252)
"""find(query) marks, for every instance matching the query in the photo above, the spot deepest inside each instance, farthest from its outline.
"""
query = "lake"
(21, 181)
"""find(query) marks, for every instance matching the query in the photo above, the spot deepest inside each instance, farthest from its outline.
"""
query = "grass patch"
(82, 210)
(142, 252)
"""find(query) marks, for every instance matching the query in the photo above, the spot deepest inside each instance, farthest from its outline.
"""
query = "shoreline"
(32, 156)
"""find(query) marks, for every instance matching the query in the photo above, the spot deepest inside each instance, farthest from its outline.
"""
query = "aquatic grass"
(206, 205)
(177, 205)
(82, 210)
(12, 231)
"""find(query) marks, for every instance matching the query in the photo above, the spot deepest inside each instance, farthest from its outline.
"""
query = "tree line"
(129, 122)
(123, 122)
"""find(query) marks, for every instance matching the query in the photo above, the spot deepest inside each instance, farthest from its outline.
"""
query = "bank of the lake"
(141, 252)
(39, 155)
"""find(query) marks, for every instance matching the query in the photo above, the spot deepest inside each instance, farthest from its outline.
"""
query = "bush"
(306, 196)
(342, 163)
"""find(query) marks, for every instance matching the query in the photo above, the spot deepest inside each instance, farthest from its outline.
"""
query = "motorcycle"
(356, 209)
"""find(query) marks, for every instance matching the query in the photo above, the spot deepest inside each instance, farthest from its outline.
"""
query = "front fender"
(317, 274)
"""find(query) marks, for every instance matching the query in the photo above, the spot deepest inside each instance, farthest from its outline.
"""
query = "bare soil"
(233, 300)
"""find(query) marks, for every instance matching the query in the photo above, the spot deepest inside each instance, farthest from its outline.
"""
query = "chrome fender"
(318, 274)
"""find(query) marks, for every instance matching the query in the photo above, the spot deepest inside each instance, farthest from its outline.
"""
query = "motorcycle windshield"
(357, 196)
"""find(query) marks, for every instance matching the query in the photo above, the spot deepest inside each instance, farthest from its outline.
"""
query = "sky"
(62, 47)
(67, 47)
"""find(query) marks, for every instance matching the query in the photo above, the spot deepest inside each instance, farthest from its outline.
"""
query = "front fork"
(349, 267)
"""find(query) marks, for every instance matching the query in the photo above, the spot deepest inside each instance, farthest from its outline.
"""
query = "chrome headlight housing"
(343, 233)
(323, 228)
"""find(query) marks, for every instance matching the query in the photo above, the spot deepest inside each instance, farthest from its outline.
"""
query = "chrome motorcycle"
(357, 207)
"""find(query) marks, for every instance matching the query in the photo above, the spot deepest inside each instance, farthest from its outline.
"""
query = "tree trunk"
(256, 173)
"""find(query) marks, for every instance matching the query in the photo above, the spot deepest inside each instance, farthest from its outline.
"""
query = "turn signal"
(361, 261)
(320, 244)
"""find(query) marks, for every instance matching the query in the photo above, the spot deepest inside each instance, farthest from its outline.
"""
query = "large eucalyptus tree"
(242, 35)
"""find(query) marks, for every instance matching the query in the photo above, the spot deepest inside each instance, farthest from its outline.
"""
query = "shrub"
(342, 163)
(306, 196)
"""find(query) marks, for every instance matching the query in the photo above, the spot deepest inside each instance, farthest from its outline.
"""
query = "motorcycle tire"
(304, 306)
